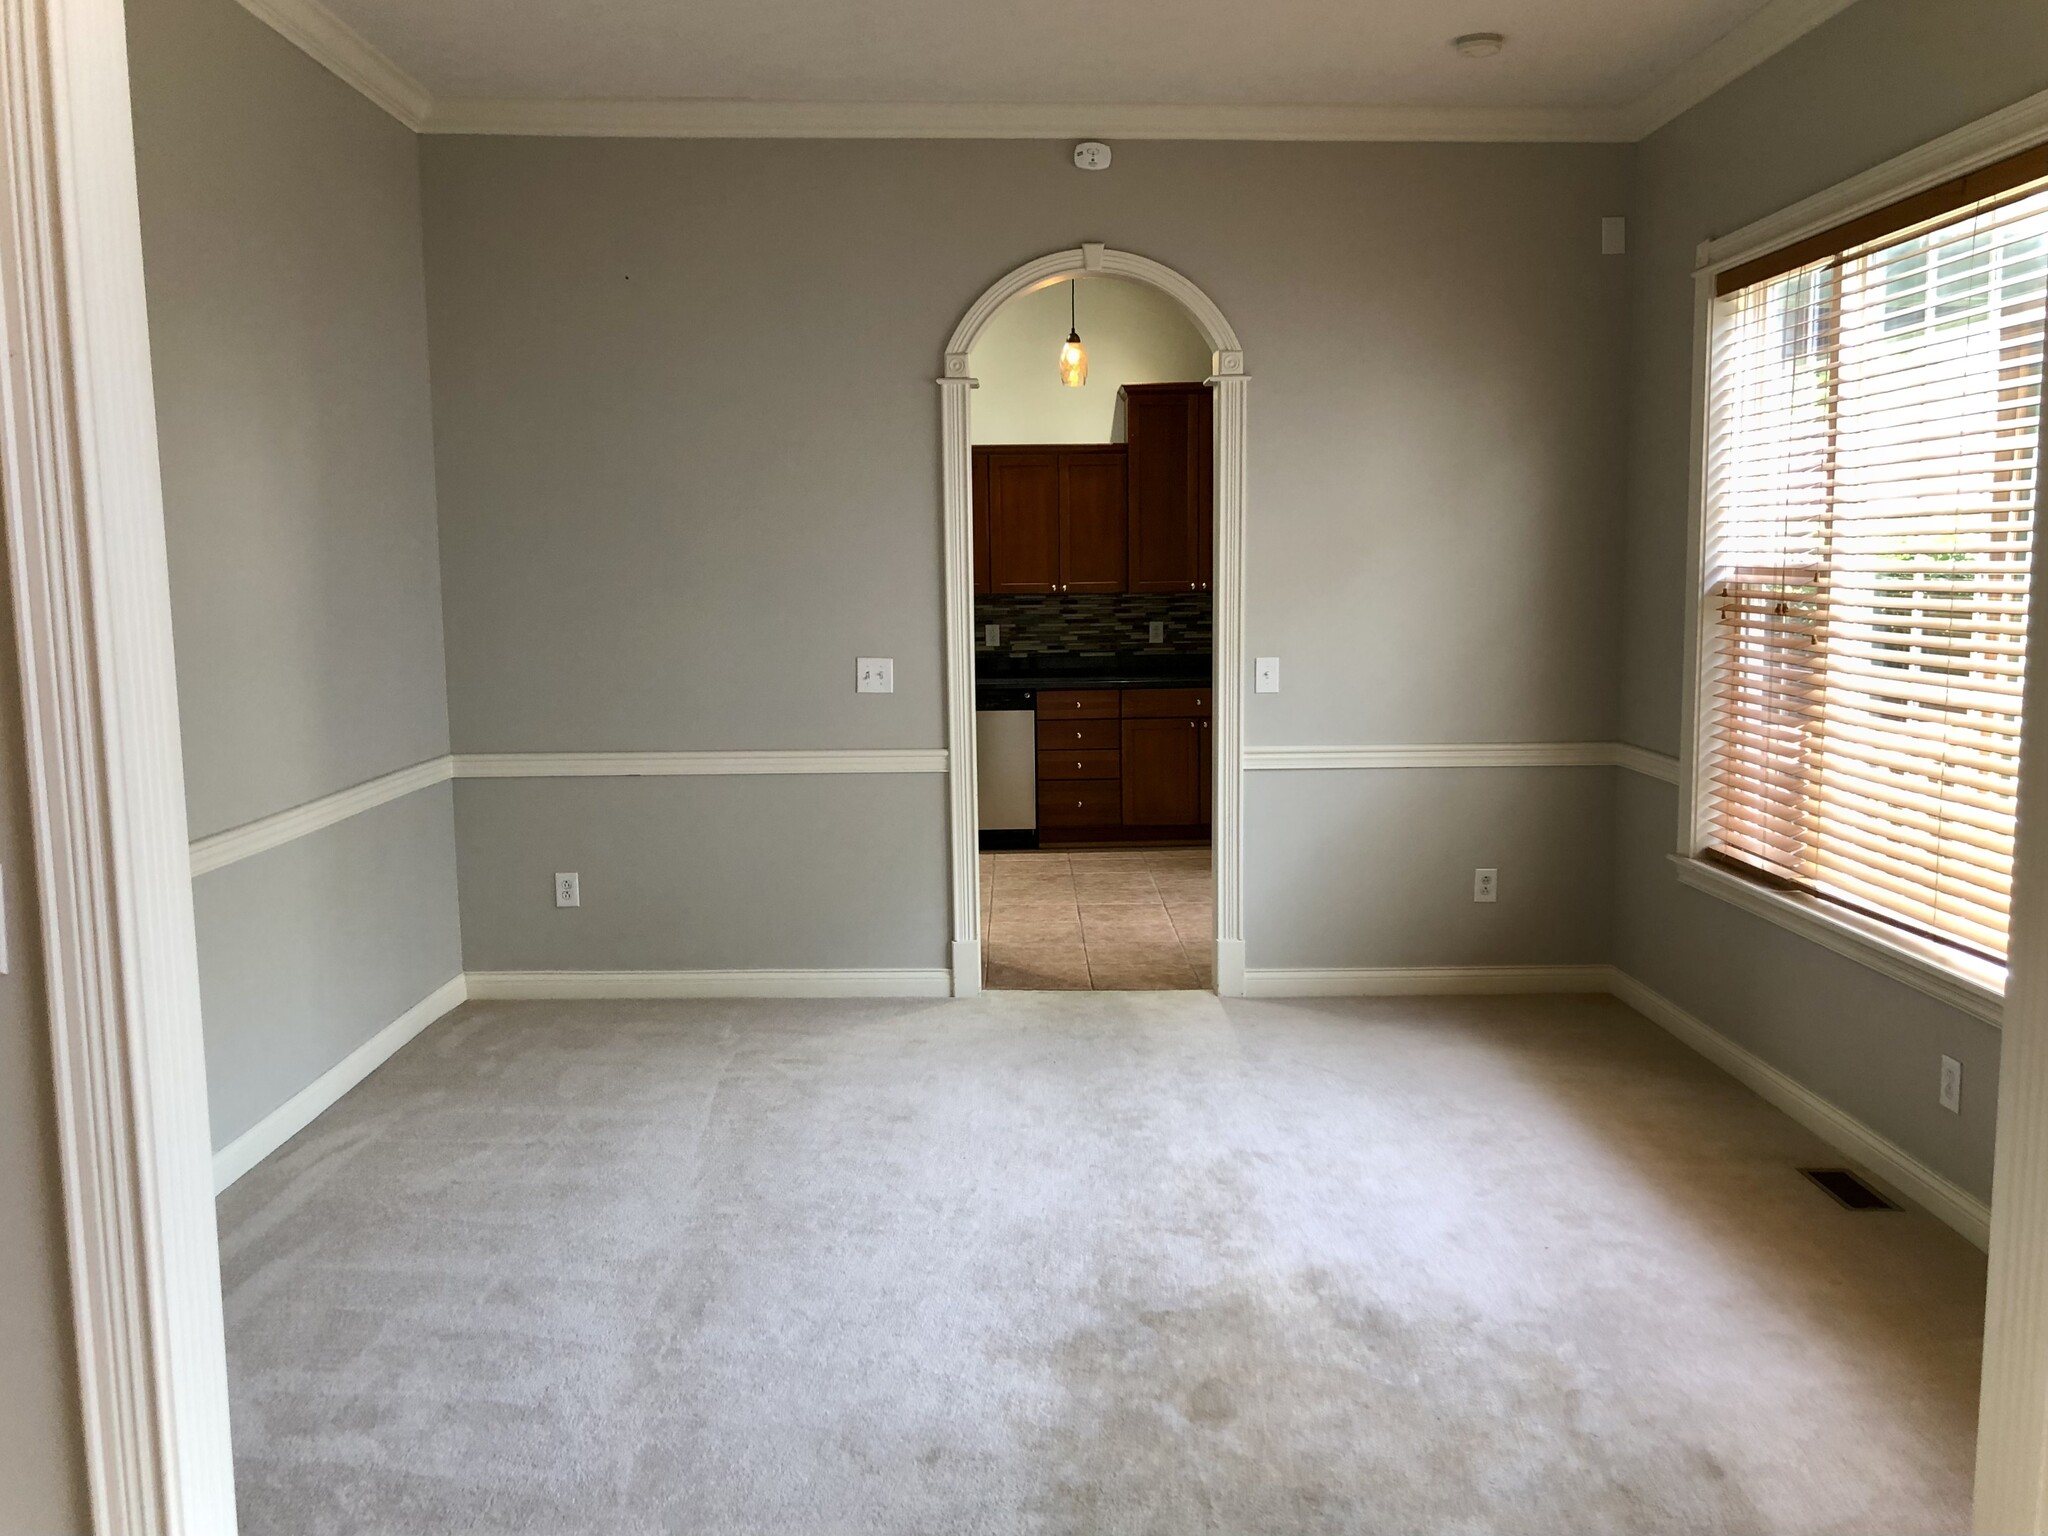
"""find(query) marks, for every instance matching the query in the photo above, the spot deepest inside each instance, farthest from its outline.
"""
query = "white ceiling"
(1567, 61)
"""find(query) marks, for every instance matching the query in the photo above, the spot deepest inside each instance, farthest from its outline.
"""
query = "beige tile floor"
(1114, 920)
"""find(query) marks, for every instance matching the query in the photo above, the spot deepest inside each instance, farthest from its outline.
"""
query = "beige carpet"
(1097, 1263)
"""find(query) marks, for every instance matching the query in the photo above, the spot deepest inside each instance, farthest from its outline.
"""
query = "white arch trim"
(1229, 382)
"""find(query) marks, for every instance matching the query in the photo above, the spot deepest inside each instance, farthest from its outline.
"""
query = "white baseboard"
(1426, 981)
(1889, 1163)
(305, 1106)
(563, 986)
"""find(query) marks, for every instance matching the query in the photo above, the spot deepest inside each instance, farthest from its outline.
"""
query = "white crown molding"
(237, 843)
(2007, 131)
(1771, 30)
(339, 48)
(566, 986)
(343, 50)
(662, 765)
(1888, 1162)
(318, 1096)
(1337, 123)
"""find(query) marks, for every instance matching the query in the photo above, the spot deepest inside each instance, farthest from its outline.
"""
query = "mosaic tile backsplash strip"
(1096, 624)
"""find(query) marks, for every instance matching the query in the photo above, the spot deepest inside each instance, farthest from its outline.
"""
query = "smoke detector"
(1479, 45)
(1092, 155)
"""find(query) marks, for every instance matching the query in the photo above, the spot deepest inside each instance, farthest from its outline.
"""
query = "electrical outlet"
(1951, 1085)
(991, 635)
(1614, 237)
(1266, 675)
(1486, 885)
(1156, 631)
(875, 674)
(568, 890)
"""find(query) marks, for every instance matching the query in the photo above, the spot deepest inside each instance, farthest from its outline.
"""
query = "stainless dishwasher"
(1006, 758)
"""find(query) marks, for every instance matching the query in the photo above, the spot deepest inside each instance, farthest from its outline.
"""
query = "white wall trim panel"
(2008, 131)
(1890, 1164)
(220, 849)
(339, 48)
(1651, 765)
(661, 765)
(580, 985)
(318, 1096)
(1426, 981)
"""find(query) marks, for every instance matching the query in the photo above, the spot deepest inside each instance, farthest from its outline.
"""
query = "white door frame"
(91, 592)
(1229, 383)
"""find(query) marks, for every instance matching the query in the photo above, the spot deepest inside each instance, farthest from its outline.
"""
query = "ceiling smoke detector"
(1479, 45)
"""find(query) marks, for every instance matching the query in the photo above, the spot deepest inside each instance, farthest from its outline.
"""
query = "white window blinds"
(1874, 421)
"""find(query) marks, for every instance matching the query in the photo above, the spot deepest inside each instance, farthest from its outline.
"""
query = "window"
(1874, 424)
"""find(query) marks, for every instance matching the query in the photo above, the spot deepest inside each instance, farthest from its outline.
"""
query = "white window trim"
(1977, 987)
(1951, 975)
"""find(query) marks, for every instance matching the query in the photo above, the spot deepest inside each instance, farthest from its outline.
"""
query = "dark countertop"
(1092, 671)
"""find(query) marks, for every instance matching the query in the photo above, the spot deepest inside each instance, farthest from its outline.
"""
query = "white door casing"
(91, 591)
(1229, 384)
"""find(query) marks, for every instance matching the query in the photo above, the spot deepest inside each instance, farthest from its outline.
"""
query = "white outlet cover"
(1951, 1085)
(875, 674)
(568, 890)
(1486, 885)
(1614, 237)
(991, 635)
(1266, 675)
(1157, 632)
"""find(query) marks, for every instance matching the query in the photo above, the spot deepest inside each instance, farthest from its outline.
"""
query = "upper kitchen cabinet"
(1166, 432)
(1050, 519)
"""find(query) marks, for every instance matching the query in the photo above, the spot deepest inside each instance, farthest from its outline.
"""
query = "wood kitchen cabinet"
(1123, 764)
(1166, 772)
(1166, 430)
(1050, 519)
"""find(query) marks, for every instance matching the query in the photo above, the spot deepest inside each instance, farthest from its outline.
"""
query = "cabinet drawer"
(1085, 803)
(1165, 703)
(1077, 735)
(1078, 765)
(1094, 704)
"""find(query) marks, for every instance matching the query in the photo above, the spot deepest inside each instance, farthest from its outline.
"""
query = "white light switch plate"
(568, 890)
(1614, 237)
(1266, 675)
(1157, 632)
(875, 674)
(991, 635)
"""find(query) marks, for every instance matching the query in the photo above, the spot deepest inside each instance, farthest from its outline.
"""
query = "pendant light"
(1073, 356)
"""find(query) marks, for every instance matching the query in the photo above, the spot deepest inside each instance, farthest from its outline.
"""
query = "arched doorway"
(1229, 383)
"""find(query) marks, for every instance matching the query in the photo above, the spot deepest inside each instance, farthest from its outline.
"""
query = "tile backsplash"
(1096, 623)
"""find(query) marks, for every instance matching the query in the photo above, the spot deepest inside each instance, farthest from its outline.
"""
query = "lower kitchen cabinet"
(1131, 764)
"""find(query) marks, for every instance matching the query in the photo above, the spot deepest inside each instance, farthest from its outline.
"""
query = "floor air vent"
(1850, 1192)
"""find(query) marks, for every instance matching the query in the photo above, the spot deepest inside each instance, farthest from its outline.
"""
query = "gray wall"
(281, 244)
(1881, 78)
(42, 1453)
(687, 441)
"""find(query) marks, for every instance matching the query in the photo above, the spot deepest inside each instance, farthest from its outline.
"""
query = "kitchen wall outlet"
(1266, 675)
(1156, 631)
(568, 890)
(875, 674)
(991, 635)
(1486, 885)
(1614, 237)
(1951, 1085)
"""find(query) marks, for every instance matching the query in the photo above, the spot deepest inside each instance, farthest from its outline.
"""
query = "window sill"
(1977, 987)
